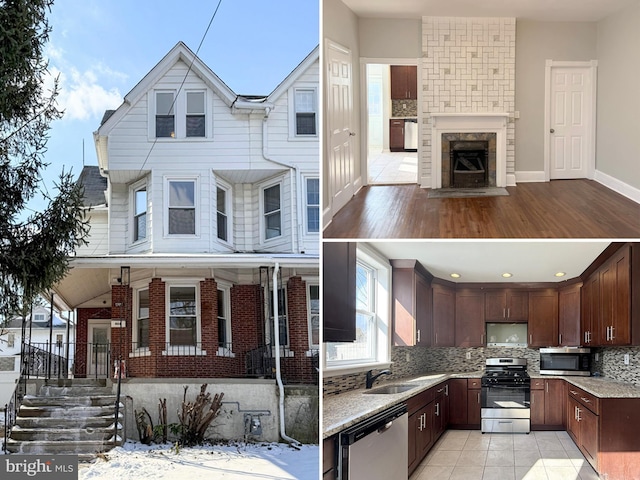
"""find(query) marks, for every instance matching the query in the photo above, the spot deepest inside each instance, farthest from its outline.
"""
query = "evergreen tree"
(34, 248)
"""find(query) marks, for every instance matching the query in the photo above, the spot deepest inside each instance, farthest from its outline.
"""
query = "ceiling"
(542, 10)
(486, 261)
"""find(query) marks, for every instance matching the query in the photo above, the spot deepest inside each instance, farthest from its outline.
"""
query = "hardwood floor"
(557, 209)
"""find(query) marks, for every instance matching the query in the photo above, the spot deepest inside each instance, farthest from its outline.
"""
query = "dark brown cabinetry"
(469, 318)
(444, 304)
(543, 318)
(473, 402)
(548, 404)
(569, 315)
(404, 82)
(506, 306)
(589, 331)
(339, 291)
(412, 310)
(396, 135)
(464, 403)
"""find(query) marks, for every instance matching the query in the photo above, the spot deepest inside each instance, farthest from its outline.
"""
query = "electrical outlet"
(626, 359)
(468, 356)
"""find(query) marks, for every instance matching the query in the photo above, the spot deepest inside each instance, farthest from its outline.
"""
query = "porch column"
(121, 306)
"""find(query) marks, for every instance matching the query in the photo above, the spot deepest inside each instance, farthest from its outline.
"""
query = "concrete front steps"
(74, 417)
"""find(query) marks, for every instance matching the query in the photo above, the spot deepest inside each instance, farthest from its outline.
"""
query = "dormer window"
(196, 121)
(165, 117)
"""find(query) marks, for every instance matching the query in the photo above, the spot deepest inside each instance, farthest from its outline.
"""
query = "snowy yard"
(241, 461)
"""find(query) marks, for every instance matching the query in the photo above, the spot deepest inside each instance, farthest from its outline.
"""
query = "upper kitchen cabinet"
(543, 318)
(404, 82)
(569, 315)
(339, 291)
(469, 314)
(412, 303)
(444, 306)
(506, 306)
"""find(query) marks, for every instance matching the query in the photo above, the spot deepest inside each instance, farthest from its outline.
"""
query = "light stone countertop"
(346, 409)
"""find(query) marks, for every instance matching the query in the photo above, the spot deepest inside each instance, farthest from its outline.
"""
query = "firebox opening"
(469, 164)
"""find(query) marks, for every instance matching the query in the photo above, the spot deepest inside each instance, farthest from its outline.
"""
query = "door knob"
(552, 131)
(352, 134)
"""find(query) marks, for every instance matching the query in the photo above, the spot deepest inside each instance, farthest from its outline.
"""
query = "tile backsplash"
(404, 108)
(610, 364)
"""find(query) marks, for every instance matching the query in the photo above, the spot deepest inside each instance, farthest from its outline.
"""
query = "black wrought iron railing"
(44, 360)
(11, 409)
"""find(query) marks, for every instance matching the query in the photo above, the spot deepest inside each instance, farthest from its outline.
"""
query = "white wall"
(535, 43)
(618, 134)
(390, 38)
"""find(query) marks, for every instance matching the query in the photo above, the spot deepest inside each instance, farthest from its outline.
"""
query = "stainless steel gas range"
(505, 396)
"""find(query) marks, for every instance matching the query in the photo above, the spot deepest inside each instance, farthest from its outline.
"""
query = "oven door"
(510, 396)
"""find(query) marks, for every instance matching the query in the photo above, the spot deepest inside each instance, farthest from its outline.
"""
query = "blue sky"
(101, 49)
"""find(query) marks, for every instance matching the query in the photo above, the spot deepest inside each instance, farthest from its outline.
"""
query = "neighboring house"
(522, 73)
(203, 204)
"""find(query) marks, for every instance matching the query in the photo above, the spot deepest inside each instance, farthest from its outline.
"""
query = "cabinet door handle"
(504, 313)
(508, 313)
(438, 409)
(436, 338)
(446, 389)
(578, 417)
(418, 335)
(547, 386)
(612, 335)
(530, 338)
(585, 337)
(560, 339)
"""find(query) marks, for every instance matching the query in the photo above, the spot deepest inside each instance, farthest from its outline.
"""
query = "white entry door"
(571, 128)
(340, 134)
(99, 340)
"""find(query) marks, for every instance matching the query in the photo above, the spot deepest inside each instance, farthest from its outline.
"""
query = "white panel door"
(339, 113)
(571, 118)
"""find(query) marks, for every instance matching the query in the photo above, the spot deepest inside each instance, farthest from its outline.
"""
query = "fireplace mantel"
(471, 122)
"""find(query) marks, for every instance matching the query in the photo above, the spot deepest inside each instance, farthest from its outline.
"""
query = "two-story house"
(203, 254)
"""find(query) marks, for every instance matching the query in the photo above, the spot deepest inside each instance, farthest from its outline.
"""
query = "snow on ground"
(135, 461)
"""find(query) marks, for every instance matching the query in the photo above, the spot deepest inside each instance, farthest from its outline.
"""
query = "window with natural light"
(305, 111)
(313, 305)
(140, 214)
(221, 214)
(182, 316)
(182, 207)
(195, 122)
(272, 218)
(313, 205)
(165, 118)
(142, 319)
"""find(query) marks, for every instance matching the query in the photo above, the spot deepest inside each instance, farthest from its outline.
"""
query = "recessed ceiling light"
(507, 275)
(455, 275)
(560, 274)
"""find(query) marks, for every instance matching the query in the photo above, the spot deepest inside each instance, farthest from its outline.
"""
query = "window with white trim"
(313, 309)
(371, 346)
(224, 318)
(282, 319)
(272, 211)
(195, 118)
(141, 328)
(181, 207)
(39, 317)
(140, 214)
(305, 106)
(223, 210)
(183, 328)
(165, 114)
(312, 201)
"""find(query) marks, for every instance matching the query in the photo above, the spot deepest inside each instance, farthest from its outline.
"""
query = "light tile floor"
(393, 167)
(470, 455)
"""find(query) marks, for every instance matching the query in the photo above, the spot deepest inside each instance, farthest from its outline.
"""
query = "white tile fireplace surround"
(443, 123)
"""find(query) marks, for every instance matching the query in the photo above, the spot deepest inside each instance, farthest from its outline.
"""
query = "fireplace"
(469, 164)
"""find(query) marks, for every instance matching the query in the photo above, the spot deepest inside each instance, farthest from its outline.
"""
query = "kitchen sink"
(390, 389)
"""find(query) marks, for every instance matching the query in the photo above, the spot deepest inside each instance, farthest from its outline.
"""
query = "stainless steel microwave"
(565, 361)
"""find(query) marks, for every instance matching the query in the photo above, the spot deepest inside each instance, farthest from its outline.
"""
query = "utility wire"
(183, 80)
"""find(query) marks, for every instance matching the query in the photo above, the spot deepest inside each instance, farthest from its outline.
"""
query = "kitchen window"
(195, 121)
(165, 116)
(181, 208)
(312, 194)
(371, 347)
(140, 214)
(271, 211)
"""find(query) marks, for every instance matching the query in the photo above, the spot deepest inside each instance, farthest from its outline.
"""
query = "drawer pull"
(573, 392)
(585, 400)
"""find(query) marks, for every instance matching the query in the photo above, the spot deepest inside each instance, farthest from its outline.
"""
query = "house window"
(140, 214)
(142, 314)
(372, 318)
(182, 207)
(165, 117)
(183, 328)
(313, 204)
(282, 318)
(59, 340)
(195, 114)
(39, 317)
(305, 111)
(224, 319)
(11, 340)
(272, 218)
(222, 214)
(313, 306)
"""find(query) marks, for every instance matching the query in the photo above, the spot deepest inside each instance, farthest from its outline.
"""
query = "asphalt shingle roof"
(94, 186)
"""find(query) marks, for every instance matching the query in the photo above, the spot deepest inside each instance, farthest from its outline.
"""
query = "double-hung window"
(312, 186)
(183, 316)
(313, 306)
(282, 318)
(142, 319)
(165, 116)
(222, 213)
(181, 211)
(272, 212)
(305, 100)
(140, 214)
(196, 121)
(224, 321)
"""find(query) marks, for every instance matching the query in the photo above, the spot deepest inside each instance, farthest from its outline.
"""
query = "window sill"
(184, 351)
(140, 352)
(225, 352)
(303, 138)
(355, 368)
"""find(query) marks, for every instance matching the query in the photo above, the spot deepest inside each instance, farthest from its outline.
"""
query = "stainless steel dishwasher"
(376, 447)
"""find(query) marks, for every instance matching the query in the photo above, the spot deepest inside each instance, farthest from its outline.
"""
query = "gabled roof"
(295, 75)
(94, 186)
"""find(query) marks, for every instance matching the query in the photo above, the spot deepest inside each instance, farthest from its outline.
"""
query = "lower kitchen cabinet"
(458, 402)
(548, 404)
(473, 402)
(428, 418)
(440, 410)
(329, 468)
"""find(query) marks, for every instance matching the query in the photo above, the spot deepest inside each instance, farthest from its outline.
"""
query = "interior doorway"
(392, 126)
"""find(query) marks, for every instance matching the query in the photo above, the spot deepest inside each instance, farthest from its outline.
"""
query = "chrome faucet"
(372, 378)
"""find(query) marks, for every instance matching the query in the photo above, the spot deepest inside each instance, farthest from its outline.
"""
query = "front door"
(339, 112)
(571, 122)
(99, 339)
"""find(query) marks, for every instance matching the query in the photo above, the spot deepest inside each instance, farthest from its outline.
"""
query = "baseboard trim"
(530, 177)
(618, 186)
